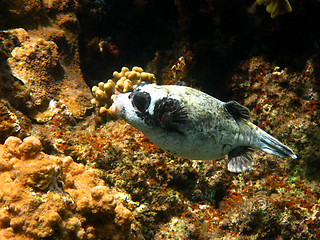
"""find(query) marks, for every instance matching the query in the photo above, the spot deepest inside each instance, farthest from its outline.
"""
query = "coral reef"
(45, 57)
(32, 63)
(44, 196)
(170, 196)
(12, 122)
(124, 81)
(177, 71)
(96, 179)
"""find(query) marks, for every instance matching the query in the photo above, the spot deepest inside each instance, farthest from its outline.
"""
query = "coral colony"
(69, 171)
(122, 82)
(40, 192)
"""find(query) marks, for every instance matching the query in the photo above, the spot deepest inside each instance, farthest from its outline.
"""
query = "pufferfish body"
(192, 124)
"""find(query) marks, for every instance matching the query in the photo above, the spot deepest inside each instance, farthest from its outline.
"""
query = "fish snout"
(118, 107)
(113, 110)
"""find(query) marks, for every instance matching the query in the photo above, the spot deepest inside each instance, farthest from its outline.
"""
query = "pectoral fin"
(170, 115)
(240, 159)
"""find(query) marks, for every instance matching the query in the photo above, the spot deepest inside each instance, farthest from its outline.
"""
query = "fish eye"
(141, 100)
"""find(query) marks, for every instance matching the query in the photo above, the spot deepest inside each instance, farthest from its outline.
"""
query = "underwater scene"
(169, 119)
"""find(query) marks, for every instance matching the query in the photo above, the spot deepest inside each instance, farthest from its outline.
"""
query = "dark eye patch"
(141, 101)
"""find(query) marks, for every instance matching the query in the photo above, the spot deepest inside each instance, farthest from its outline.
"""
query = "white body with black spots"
(192, 124)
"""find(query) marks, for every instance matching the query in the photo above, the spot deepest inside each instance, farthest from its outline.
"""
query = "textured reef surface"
(47, 196)
(68, 171)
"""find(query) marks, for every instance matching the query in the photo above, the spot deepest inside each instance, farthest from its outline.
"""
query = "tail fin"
(271, 145)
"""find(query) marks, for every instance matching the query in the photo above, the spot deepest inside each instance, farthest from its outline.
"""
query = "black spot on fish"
(170, 115)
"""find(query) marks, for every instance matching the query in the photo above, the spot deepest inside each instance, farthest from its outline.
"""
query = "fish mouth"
(115, 109)
(118, 107)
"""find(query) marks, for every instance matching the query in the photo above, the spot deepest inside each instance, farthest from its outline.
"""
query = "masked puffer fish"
(192, 124)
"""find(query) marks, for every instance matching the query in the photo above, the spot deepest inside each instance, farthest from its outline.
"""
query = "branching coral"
(43, 196)
(124, 81)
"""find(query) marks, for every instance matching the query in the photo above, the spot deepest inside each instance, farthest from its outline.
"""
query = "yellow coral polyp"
(101, 85)
(117, 75)
(133, 76)
(125, 69)
(127, 86)
(124, 81)
(103, 110)
(109, 87)
(276, 7)
(137, 69)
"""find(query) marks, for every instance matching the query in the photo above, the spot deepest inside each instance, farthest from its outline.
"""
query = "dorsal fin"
(237, 110)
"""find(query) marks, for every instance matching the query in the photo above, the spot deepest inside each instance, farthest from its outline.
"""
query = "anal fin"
(240, 159)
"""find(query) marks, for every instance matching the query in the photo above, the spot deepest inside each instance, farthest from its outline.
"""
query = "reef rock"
(36, 63)
(44, 196)
(42, 52)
